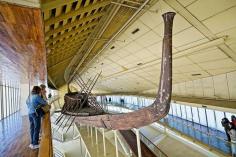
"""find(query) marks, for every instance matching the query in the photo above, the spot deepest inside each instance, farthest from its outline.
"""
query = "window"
(178, 110)
(183, 110)
(174, 109)
(195, 114)
(202, 116)
(211, 118)
(9, 98)
(189, 113)
(219, 115)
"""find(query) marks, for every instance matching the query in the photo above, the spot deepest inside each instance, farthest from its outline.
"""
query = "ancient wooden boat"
(136, 119)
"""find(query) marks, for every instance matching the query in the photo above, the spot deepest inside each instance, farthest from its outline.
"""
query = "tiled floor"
(14, 137)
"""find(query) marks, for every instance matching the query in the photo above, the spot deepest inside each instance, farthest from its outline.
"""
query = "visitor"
(43, 91)
(225, 123)
(232, 133)
(34, 101)
(233, 119)
(106, 99)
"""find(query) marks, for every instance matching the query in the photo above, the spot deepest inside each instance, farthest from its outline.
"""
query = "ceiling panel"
(186, 2)
(136, 57)
(207, 55)
(148, 39)
(209, 7)
(222, 21)
(187, 36)
(142, 29)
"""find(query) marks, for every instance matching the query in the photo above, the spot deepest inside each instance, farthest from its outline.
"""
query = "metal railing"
(207, 142)
(151, 146)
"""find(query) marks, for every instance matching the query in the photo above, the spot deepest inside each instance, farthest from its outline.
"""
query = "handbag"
(46, 108)
(41, 110)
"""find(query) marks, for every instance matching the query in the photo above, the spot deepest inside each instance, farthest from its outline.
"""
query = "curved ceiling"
(87, 36)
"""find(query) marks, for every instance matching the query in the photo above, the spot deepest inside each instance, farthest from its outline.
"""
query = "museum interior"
(117, 78)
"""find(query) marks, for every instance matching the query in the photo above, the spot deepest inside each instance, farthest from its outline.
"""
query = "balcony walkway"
(14, 137)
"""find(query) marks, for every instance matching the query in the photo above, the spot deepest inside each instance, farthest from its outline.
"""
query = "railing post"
(104, 142)
(116, 143)
(138, 142)
(91, 131)
(96, 134)
(88, 130)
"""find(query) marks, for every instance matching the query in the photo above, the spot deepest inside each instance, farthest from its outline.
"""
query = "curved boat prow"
(161, 105)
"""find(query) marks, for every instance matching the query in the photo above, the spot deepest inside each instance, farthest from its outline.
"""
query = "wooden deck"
(15, 137)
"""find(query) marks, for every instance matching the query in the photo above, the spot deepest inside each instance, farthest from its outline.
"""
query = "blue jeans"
(35, 123)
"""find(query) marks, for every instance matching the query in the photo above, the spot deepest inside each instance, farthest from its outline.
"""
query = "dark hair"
(36, 90)
(225, 122)
(233, 117)
(42, 86)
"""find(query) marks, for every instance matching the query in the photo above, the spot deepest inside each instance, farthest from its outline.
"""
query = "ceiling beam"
(73, 24)
(72, 32)
(65, 59)
(76, 12)
(61, 43)
(54, 4)
(72, 44)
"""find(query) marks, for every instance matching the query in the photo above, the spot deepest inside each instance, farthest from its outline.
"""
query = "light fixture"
(135, 31)
(197, 74)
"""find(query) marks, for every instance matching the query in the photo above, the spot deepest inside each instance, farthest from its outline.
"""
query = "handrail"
(46, 149)
(150, 142)
(155, 149)
(205, 133)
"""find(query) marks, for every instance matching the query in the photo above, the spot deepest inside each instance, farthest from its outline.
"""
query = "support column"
(116, 143)
(138, 142)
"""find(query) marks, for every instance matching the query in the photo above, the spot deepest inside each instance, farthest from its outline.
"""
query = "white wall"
(24, 88)
(221, 86)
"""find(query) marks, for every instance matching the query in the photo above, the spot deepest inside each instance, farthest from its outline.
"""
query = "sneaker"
(35, 146)
(31, 146)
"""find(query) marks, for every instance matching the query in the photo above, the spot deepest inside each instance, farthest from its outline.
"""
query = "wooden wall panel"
(22, 40)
